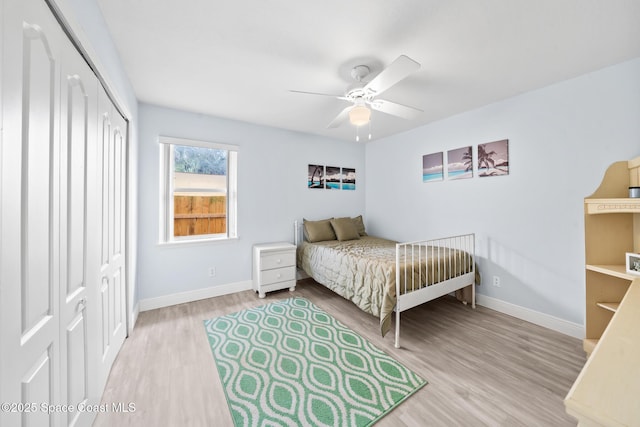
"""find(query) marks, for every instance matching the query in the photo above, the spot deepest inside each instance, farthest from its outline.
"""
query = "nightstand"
(274, 267)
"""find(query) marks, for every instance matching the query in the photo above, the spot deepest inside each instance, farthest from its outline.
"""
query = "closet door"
(62, 204)
(78, 234)
(111, 290)
(30, 209)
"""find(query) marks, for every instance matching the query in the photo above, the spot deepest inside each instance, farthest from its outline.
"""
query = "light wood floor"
(483, 367)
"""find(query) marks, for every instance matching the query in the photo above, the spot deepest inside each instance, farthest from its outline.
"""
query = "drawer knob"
(278, 260)
(279, 275)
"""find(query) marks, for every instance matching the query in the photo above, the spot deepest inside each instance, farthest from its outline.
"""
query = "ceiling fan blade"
(321, 94)
(340, 118)
(395, 109)
(396, 71)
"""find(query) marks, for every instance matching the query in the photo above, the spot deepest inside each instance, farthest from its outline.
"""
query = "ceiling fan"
(362, 95)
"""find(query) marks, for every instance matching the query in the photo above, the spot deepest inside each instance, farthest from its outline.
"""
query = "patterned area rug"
(289, 363)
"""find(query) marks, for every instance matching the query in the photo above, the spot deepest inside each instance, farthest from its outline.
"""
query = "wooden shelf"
(615, 205)
(611, 306)
(619, 271)
(606, 391)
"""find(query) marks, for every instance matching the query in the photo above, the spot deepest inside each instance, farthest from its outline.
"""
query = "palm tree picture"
(316, 176)
(460, 163)
(493, 158)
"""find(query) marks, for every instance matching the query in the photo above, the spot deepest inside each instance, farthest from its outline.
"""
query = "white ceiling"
(239, 59)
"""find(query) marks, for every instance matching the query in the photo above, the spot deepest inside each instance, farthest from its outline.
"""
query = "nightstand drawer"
(277, 275)
(277, 260)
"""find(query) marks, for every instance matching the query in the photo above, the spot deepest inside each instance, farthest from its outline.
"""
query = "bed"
(381, 276)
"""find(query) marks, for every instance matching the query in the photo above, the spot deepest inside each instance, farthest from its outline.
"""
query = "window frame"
(167, 167)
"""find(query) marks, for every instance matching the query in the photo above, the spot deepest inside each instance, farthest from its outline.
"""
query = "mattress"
(364, 270)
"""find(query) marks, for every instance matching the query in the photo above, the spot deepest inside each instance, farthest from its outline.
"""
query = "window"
(198, 190)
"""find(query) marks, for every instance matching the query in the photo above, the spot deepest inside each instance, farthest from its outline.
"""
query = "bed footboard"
(429, 269)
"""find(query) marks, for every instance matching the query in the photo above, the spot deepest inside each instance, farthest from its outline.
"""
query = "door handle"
(82, 304)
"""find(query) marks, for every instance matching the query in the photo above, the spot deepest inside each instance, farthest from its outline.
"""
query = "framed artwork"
(332, 177)
(315, 177)
(348, 179)
(493, 158)
(432, 167)
(460, 163)
(633, 263)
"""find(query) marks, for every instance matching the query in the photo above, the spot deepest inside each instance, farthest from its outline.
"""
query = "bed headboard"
(298, 235)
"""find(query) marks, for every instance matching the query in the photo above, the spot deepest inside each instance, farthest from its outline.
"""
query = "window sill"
(197, 242)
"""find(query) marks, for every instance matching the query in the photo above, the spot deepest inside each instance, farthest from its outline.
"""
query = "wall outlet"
(496, 281)
(212, 272)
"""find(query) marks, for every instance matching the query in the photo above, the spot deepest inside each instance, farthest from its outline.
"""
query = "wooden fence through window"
(196, 215)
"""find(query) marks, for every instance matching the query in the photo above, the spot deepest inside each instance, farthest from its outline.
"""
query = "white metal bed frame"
(421, 250)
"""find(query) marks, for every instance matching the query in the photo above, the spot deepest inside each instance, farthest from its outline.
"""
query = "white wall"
(272, 193)
(529, 225)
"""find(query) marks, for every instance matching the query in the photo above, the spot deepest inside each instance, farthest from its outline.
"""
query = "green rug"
(289, 363)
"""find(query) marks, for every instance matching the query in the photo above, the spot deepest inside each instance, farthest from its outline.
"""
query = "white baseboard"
(189, 296)
(541, 319)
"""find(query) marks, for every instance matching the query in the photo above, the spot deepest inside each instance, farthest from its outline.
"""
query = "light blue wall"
(272, 194)
(529, 225)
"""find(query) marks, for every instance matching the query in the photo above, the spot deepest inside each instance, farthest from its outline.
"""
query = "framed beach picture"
(432, 167)
(348, 179)
(315, 177)
(493, 158)
(332, 177)
(460, 163)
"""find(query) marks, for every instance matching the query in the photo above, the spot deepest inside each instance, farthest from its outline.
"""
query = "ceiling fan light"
(359, 115)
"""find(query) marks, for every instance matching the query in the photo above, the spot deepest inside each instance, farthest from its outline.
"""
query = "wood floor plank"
(484, 368)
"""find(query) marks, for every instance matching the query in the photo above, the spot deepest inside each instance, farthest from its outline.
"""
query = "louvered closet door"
(29, 203)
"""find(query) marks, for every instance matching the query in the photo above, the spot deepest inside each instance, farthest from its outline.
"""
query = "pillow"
(359, 224)
(344, 228)
(318, 231)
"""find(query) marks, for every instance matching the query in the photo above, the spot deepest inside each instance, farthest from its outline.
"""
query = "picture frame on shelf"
(633, 263)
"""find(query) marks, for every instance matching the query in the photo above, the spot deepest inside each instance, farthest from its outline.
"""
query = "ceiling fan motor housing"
(359, 72)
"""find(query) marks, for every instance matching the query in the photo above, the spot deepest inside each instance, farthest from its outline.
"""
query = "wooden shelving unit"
(606, 391)
(612, 228)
